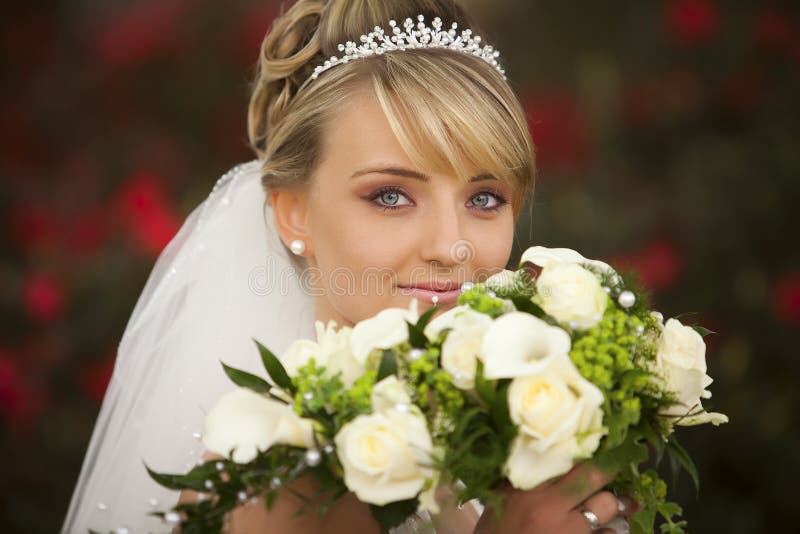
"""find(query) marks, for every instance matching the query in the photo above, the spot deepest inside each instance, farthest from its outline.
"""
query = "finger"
(616, 526)
(583, 481)
(604, 505)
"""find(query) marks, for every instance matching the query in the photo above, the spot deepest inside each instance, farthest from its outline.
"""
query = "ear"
(290, 210)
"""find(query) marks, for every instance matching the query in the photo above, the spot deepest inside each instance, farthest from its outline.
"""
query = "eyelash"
(501, 199)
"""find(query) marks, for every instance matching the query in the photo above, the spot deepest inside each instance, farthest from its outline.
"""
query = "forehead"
(359, 133)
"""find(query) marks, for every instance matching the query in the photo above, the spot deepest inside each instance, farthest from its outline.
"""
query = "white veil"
(224, 279)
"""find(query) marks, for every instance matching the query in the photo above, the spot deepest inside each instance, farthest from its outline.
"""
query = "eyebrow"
(408, 173)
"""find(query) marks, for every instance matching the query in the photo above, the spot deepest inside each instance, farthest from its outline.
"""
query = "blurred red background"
(667, 139)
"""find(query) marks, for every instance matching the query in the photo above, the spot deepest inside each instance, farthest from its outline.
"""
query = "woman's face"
(376, 227)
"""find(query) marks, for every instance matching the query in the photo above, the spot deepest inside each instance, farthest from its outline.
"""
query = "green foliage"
(434, 392)
(274, 368)
(477, 446)
(526, 305)
(603, 355)
(388, 364)
(701, 330)
(246, 380)
(679, 458)
(325, 399)
(480, 300)
(416, 331)
(231, 483)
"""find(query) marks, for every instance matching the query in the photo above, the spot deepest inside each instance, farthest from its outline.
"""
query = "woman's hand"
(555, 505)
(346, 515)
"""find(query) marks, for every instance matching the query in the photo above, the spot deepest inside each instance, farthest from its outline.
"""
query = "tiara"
(377, 42)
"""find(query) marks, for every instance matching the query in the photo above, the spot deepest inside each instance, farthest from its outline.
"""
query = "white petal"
(541, 256)
(519, 344)
(381, 331)
(252, 422)
(299, 353)
(526, 468)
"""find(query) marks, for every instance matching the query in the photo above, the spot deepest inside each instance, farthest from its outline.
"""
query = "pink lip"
(425, 294)
(445, 285)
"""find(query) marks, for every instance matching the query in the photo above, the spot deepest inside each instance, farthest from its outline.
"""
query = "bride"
(387, 178)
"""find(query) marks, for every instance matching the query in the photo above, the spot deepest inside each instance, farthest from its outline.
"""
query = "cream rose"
(382, 331)
(559, 418)
(384, 454)
(520, 344)
(681, 364)
(251, 422)
(571, 294)
(332, 350)
(463, 343)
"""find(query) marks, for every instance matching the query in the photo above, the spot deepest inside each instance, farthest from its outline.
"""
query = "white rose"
(331, 350)
(681, 363)
(559, 418)
(382, 331)
(520, 344)
(251, 422)
(571, 294)
(384, 454)
(335, 344)
(463, 343)
(542, 256)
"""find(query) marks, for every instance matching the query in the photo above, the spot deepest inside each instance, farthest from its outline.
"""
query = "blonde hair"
(443, 106)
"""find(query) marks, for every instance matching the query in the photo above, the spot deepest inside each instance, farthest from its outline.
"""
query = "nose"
(442, 239)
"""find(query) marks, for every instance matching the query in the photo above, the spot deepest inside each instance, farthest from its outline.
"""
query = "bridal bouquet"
(534, 370)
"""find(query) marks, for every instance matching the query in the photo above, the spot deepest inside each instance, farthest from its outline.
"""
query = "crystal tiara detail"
(377, 42)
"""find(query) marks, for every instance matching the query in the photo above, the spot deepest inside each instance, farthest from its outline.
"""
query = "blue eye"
(388, 198)
(488, 200)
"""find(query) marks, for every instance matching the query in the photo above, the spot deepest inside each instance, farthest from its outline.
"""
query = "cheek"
(493, 244)
(359, 259)
(357, 243)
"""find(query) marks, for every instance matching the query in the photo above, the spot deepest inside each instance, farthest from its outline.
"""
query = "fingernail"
(626, 504)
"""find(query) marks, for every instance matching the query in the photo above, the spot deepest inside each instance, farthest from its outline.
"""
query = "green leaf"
(416, 336)
(630, 452)
(678, 454)
(246, 380)
(642, 522)
(275, 369)
(484, 388)
(702, 331)
(426, 317)
(500, 412)
(392, 514)
(654, 439)
(388, 365)
(177, 482)
(527, 305)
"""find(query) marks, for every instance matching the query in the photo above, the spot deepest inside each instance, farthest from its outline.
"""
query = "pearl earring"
(297, 246)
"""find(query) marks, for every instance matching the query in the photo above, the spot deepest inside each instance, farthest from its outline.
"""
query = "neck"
(326, 312)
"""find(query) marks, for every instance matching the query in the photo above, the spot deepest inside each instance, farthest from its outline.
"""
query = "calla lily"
(520, 344)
